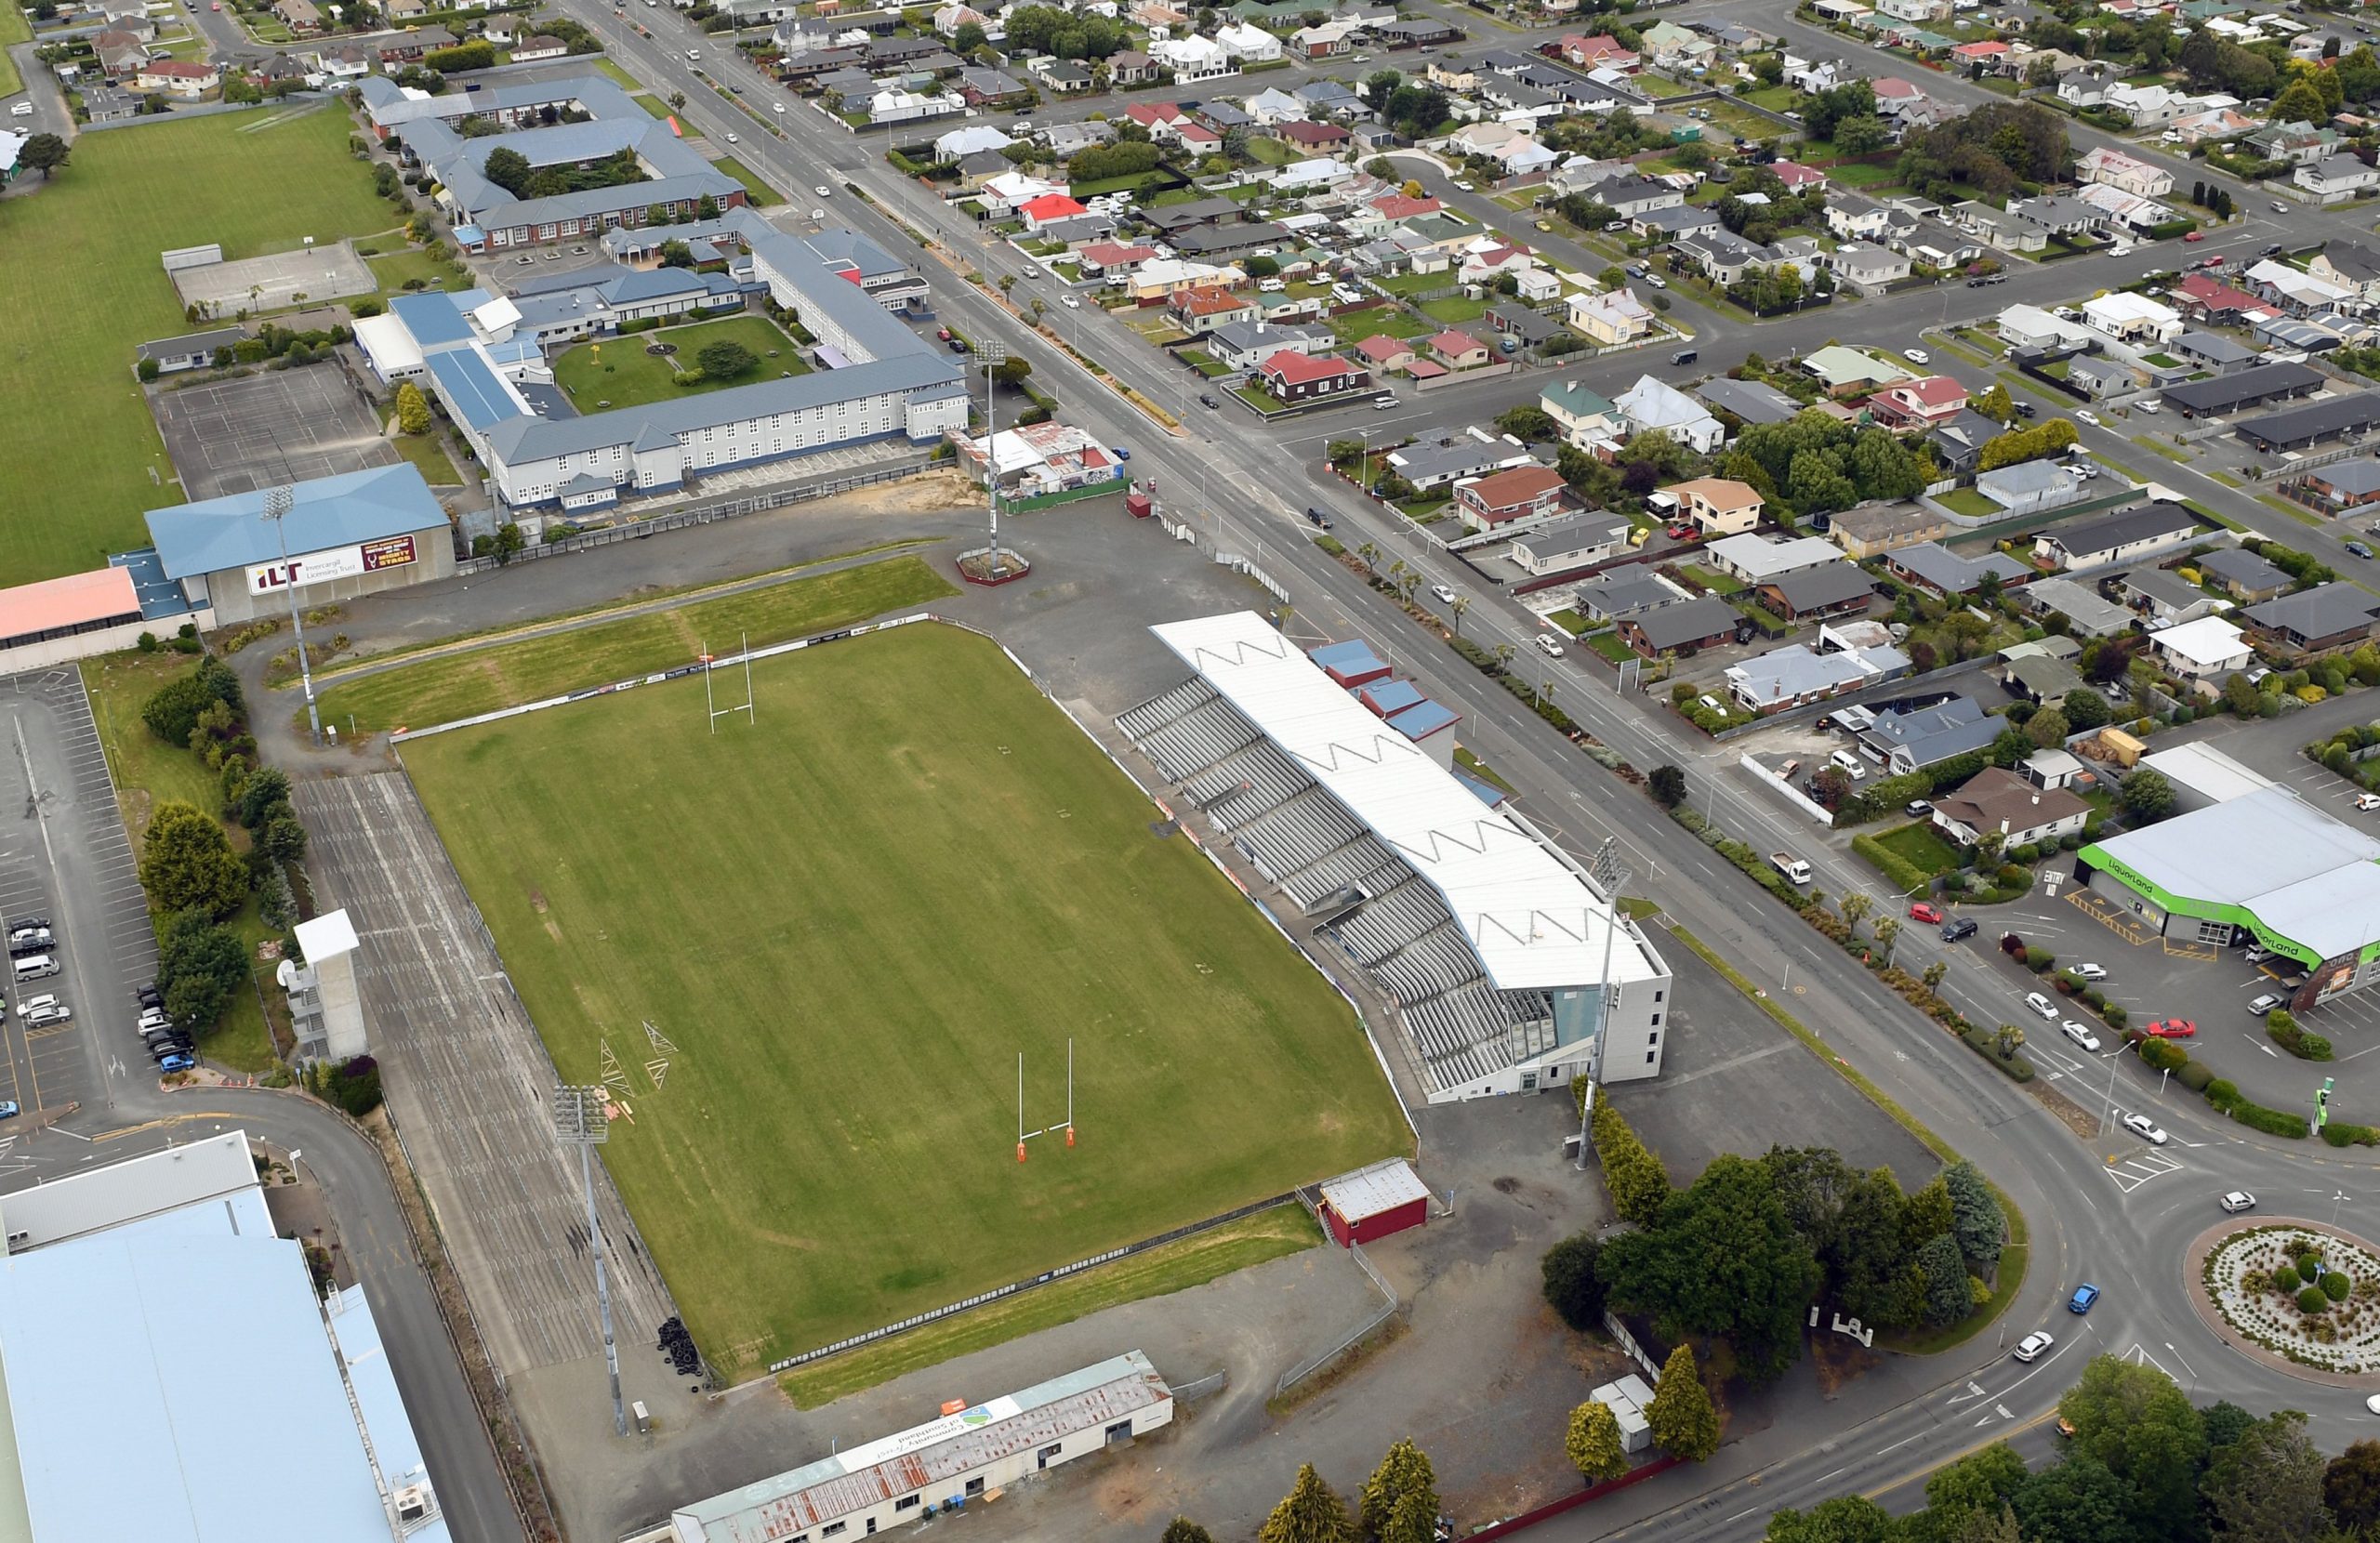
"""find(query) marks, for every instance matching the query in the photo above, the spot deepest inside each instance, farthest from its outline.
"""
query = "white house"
(2032, 328)
(1193, 59)
(2208, 649)
(2123, 314)
(2336, 178)
(1247, 44)
(1652, 405)
(2118, 170)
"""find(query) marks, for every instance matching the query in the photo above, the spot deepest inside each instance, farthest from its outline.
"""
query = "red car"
(2215, 261)
(2194, 235)
(2172, 1028)
(1681, 533)
(1924, 913)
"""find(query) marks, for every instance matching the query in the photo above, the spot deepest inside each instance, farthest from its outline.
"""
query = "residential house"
(1533, 329)
(1680, 48)
(1796, 675)
(2088, 86)
(2165, 597)
(1245, 43)
(1621, 591)
(1441, 458)
(1850, 372)
(1852, 218)
(1989, 53)
(1111, 259)
(1722, 256)
(1718, 505)
(1897, 98)
(2213, 351)
(1600, 52)
(2341, 486)
(1050, 209)
(1751, 402)
(2246, 577)
(2299, 293)
(190, 352)
(1633, 193)
(1611, 319)
(119, 54)
(2207, 648)
(1957, 441)
(1919, 405)
(1202, 308)
(2122, 536)
(1423, 32)
(2218, 304)
(2088, 613)
(1653, 404)
(1501, 497)
(2296, 143)
(1914, 11)
(1386, 354)
(2126, 173)
(298, 16)
(2320, 620)
(1832, 589)
(2251, 386)
(1869, 270)
(539, 47)
(1684, 629)
(1130, 67)
(1799, 180)
(1313, 137)
(1294, 377)
(1756, 558)
(177, 77)
(2337, 179)
(1912, 737)
(1458, 350)
(2056, 215)
(1576, 541)
(1192, 59)
(2123, 314)
(1997, 801)
(2030, 487)
(2031, 329)
(2349, 266)
(1328, 41)
(2035, 676)
(1876, 529)
(1246, 345)
(1583, 416)
(1930, 565)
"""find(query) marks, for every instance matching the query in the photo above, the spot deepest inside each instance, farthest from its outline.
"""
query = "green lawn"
(611, 69)
(948, 873)
(423, 450)
(1455, 310)
(762, 195)
(80, 458)
(1609, 645)
(618, 370)
(1273, 153)
(1175, 1267)
(500, 674)
(148, 771)
(1921, 848)
(14, 28)
(652, 104)
(1861, 174)
(1777, 98)
(395, 269)
(1389, 321)
(1967, 501)
(1712, 579)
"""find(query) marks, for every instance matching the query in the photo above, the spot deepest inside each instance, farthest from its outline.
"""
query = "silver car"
(2238, 1201)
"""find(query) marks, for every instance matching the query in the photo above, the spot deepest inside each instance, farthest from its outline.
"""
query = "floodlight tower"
(1607, 875)
(582, 1119)
(277, 503)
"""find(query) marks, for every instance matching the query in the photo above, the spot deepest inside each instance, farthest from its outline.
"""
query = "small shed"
(1374, 1201)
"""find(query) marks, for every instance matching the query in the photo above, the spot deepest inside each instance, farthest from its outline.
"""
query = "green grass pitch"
(80, 456)
(850, 917)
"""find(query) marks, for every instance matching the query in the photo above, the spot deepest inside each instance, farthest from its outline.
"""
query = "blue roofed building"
(122, 1419)
(356, 533)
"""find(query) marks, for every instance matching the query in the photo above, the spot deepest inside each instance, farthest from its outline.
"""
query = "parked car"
(2086, 972)
(2357, 549)
(1549, 645)
(1119, 451)
(2081, 1035)
(2146, 1128)
(2265, 1004)
(2040, 1005)
(2367, 800)
(2084, 414)
(1679, 531)
(2194, 236)
(7, 1109)
(175, 1063)
(2032, 1346)
(2238, 1201)
(1930, 914)
(2083, 1296)
(2170, 1028)
(1917, 808)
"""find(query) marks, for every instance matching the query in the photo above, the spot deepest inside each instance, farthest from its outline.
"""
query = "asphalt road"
(1245, 486)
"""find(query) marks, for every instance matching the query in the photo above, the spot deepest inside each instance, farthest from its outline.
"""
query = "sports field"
(850, 917)
(80, 458)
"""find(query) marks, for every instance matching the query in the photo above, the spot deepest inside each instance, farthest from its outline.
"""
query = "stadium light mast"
(994, 354)
(582, 1119)
(278, 500)
(1608, 875)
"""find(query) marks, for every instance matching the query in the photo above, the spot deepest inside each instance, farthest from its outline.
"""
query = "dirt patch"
(934, 490)
(1838, 1359)
(2076, 1118)
(1508, 1185)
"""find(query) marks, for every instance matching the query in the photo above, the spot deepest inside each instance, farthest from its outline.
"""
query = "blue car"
(7, 1109)
(1121, 454)
(183, 1063)
(2083, 1296)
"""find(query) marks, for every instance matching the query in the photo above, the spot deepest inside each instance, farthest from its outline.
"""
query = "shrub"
(2309, 1267)
(2159, 1055)
(2038, 963)
(2335, 1286)
(2115, 1014)
(2223, 1092)
(2284, 1280)
(1980, 1041)
(2194, 1075)
(2272, 1122)
(2312, 1301)
(2340, 1133)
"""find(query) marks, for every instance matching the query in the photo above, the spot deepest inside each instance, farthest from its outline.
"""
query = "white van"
(1850, 765)
(34, 966)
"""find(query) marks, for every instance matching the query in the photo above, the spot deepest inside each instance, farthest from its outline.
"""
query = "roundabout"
(2296, 1296)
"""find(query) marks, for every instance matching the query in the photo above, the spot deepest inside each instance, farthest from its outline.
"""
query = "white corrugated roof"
(2301, 874)
(326, 936)
(1368, 1192)
(1534, 923)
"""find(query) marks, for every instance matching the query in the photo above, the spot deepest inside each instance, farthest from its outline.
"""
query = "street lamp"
(582, 1119)
(277, 504)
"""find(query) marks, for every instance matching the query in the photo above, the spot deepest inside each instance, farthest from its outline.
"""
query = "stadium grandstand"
(1494, 945)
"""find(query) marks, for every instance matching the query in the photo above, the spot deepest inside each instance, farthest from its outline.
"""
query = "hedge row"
(1898, 871)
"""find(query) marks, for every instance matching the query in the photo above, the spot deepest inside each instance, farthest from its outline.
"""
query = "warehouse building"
(52, 620)
(2263, 866)
(965, 1457)
(353, 534)
(1511, 972)
(276, 1420)
(1374, 1201)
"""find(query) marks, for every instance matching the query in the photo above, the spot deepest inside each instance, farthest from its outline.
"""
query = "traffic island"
(2295, 1295)
(990, 566)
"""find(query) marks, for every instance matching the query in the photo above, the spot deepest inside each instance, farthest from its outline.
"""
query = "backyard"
(621, 373)
(80, 456)
(1921, 848)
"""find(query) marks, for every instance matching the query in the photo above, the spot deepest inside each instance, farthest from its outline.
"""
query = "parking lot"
(66, 857)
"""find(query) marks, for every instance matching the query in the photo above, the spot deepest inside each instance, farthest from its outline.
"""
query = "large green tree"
(1593, 1442)
(187, 863)
(1976, 1217)
(1404, 1471)
(2351, 1485)
(2268, 1484)
(2146, 795)
(1311, 1513)
(1181, 1529)
(199, 965)
(2077, 1501)
(1981, 1483)
(44, 153)
(1722, 1259)
(1853, 1222)
(1683, 1421)
(2133, 1418)
(1845, 1519)
(1639, 1184)
(1572, 1287)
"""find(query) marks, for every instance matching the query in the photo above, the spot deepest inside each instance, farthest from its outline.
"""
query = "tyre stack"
(679, 1346)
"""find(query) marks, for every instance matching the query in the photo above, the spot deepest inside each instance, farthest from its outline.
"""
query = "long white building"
(1510, 972)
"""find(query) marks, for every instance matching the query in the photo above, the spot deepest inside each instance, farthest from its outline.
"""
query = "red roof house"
(1313, 135)
(1293, 377)
(1601, 52)
(1112, 256)
(1396, 206)
(1385, 352)
(1798, 178)
(1919, 404)
(1523, 493)
(1459, 348)
(1048, 209)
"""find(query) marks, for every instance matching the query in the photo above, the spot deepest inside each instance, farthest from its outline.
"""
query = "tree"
(967, 37)
(1404, 1473)
(1593, 1442)
(283, 837)
(2134, 1420)
(1975, 1217)
(173, 709)
(508, 168)
(187, 863)
(2301, 103)
(1845, 1519)
(1572, 1288)
(1947, 1298)
(2269, 1483)
(1853, 1222)
(2351, 1485)
(1979, 1484)
(2085, 710)
(2077, 1501)
(1311, 1513)
(725, 360)
(1639, 1184)
(413, 409)
(2046, 728)
(1934, 975)
(199, 965)
(2148, 796)
(1856, 905)
(264, 795)
(1459, 604)
(1012, 371)
(1666, 785)
(44, 153)
(1722, 1259)
(1995, 404)
(1684, 1423)
(1529, 424)
(1862, 135)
